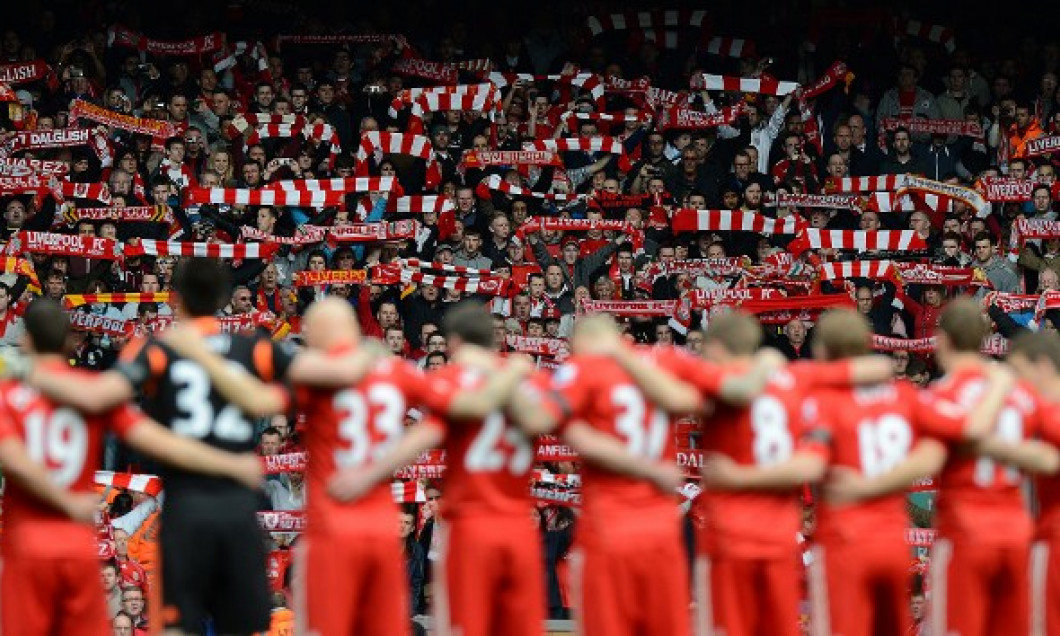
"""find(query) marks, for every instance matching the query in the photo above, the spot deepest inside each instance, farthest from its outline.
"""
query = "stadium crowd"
(585, 161)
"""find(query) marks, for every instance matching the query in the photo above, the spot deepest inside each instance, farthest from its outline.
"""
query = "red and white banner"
(876, 270)
(1025, 229)
(933, 126)
(840, 201)
(284, 463)
(310, 278)
(644, 20)
(155, 128)
(136, 213)
(890, 183)
(366, 232)
(63, 245)
(930, 274)
(100, 324)
(691, 220)
(684, 118)
(969, 196)
(930, 32)
(495, 183)
(1006, 189)
(553, 347)
(282, 521)
(23, 167)
(23, 72)
(440, 72)
(484, 158)
(631, 307)
(418, 204)
(1043, 145)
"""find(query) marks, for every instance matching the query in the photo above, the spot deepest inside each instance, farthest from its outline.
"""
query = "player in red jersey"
(489, 579)
(50, 580)
(628, 539)
(859, 578)
(1036, 357)
(351, 567)
(979, 578)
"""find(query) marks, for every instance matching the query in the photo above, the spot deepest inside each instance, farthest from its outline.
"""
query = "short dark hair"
(1036, 346)
(47, 326)
(471, 322)
(202, 284)
(962, 322)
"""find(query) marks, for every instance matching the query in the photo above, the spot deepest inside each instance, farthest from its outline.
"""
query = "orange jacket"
(1018, 141)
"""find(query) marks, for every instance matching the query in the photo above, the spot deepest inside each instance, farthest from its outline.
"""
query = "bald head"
(589, 329)
(329, 323)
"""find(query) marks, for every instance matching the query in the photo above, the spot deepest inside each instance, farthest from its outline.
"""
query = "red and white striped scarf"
(707, 298)
(484, 158)
(730, 47)
(119, 35)
(22, 167)
(691, 220)
(147, 484)
(418, 204)
(481, 100)
(588, 82)
(39, 185)
(930, 32)
(468, 281)
(339, 39)
(709, 267)
(890, 183)
(830, 79)
(306, 235)
(765, 86)
(495, 183)
(950, 276)
(860, 240)
(227, 57)
(409, 96)
(149, 247)
(286, 126)
(24, 242)
(644, 20)
(876, 270)
(273, 197)
(933, 126)
(398, 144)
(611, 145)
(631, 307)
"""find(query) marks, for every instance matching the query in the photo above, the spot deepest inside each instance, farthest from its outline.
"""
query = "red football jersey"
(352, 426)
(598, 391)
(70, 446)
(763, 433)
(1048, 486)
(488, 461)
(977, 496)
(871, 429)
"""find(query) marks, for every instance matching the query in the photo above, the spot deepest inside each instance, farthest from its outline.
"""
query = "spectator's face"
(983, 250)
(716, 251)
(270, 444)
(123, 625)
(535, 330)
(316, 263)
(1048, 280)
(901, 142)
(264, 95)
(465, 200)
(625, 262)
(388, 315)
(178, 108)
(55, 286)
(132, 601)
(1017, 170)
(193, 142)
(500, 227)
(437, 342)
(1042, 201)
(554, 278)
(299, 97)
(326, 94)
(837, 166)
(741, 167)
(110, 578)
(656, 145)
(406, 524)
(857, 129)
(1046, 175)
(604, 288)
(434, 499)
(252, 174)
(121, 543)
(472, 244)
(952, 225)
(843, 138)
(395, 341)
(1023, 116)
(537, 286)
(521, 307)
(570, 253)
(920, 223)
(864, 300)
(664, 335)
(694, 342)
(950, 248)
(149, 284)
(279, 422)
(932, 297)
(241, 301)
(221, 103)
(753, 195)
(916, 606)
(796, 331)
(906, 79)
(869, 220)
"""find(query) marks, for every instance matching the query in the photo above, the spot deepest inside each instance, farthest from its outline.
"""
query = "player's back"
(348, 428)
(869, 429)
(1048, 486)
(178, 393)
(488, 460)
(978, 496)
(760, 434)
(69, 445)
(598, 391)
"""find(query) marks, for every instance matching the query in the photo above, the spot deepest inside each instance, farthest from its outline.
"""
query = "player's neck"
(958, 361)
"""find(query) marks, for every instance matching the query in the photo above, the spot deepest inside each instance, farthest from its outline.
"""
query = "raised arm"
(609, 452)
(353, 483)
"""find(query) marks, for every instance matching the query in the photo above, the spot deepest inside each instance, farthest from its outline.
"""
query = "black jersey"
(178, 393)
